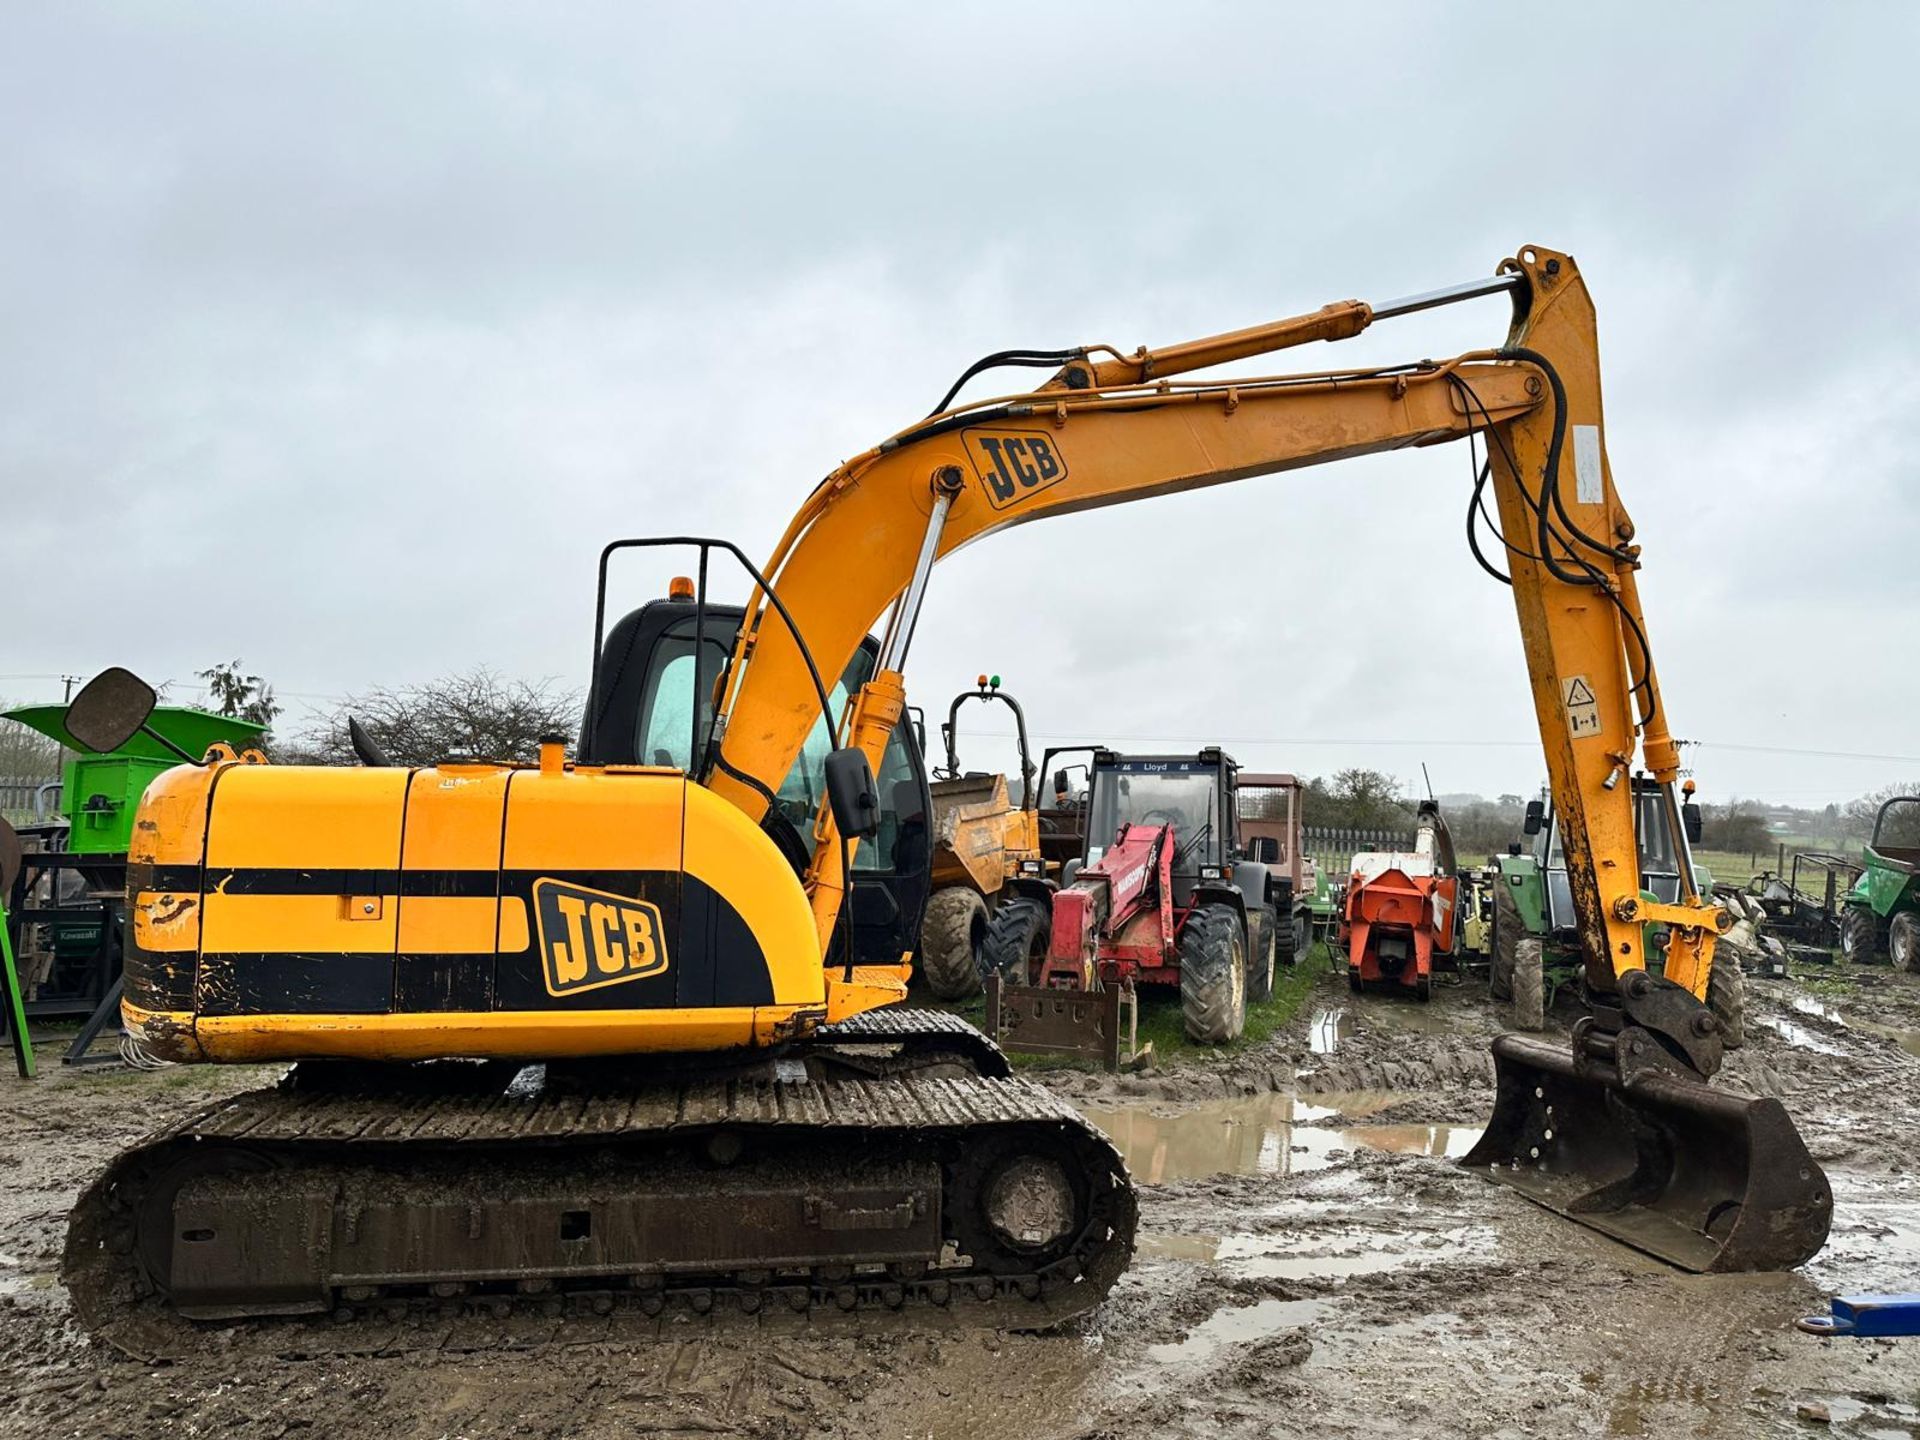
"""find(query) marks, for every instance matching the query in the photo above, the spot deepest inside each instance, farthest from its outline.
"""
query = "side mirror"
(1513, 847)
(852, 793)
(1536, 818)
(110, 709)
(1690, 822)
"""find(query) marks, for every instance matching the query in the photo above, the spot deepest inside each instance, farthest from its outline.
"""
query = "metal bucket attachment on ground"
(1705, 1179)
(1085, 1024)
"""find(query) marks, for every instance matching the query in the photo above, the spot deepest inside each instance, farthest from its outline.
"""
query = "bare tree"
(1735, 829)
(1856, 821)
(26, 754)
(478, 715)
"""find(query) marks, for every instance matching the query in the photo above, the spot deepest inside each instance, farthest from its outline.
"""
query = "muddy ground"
(1311, 1263)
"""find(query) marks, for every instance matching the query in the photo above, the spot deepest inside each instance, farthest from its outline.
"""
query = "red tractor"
(1160, 895)
(1402, 909)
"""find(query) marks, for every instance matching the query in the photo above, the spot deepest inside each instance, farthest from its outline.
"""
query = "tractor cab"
(1193, 794)
(1659, 867)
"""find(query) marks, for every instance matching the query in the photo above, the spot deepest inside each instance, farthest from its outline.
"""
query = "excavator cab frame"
(623, 720)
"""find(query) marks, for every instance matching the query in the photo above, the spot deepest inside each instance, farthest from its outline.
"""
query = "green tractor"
(1535, 947)
(1881, 915)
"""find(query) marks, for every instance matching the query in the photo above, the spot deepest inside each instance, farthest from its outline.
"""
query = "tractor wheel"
(1213, 975)
(1016, 940)
(1507, 931)
(1859, 936)
(1727, 999)
(1903, 941)
(1302, 936)
(1529, 982)
(950, 936)
(1263, 944)
(1287, 948)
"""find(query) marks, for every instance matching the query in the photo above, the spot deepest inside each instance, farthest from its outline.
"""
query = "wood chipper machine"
(1402, 910)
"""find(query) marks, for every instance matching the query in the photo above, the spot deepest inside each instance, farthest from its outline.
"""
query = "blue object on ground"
(1866, 1316)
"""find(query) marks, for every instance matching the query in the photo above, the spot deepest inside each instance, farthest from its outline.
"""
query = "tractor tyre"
(1213, 975)
(1903, 941)
(950, 935)
(1859, 936)
(1287, 948)
(1529, 982)
(1727, 999)
(1302, 936)
(1016, 940)
(1507, 931)
(1263, 945)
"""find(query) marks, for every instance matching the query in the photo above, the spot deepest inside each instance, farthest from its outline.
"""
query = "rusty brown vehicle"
(1270, 825)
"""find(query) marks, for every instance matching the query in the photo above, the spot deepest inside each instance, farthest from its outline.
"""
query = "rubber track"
(112, 1298)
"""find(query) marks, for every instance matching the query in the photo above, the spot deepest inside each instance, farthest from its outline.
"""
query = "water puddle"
(1878, 1418)
(15, 1279)
(1801, 1037)
(1327, 1029)
(1335, 1024)
(1832, 1014)
(1238, 1327)
(1267, 1134)
(1907, 1040)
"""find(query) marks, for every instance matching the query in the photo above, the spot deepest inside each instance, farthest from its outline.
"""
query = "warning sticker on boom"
(1583, 710)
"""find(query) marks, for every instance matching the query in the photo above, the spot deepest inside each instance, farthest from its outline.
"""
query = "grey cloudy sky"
(340, 338)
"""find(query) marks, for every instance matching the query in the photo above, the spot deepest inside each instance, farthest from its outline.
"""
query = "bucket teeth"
(1703, 1178)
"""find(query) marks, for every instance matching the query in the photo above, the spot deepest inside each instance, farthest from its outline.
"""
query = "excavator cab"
(657, 659)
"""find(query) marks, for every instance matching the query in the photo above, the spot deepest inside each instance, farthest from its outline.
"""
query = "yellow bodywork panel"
(287, 911)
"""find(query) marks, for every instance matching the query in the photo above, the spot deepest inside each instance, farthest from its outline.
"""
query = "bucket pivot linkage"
(1621, 1132)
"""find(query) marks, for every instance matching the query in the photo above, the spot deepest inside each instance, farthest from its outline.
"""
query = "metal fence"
(1333, 849)
(26, 800)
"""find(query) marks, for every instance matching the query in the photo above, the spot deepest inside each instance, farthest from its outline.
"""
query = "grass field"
(1732, 868)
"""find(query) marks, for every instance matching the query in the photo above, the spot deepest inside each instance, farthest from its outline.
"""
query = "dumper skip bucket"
(1705, 1179)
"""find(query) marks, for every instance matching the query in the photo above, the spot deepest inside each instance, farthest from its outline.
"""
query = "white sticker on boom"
(1589, 487)
(1583, 709)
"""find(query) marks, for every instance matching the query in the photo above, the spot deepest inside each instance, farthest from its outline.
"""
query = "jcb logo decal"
(589, 938)
(1013, 464)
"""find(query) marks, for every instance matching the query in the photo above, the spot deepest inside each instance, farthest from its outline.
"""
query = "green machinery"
(62, 903)
(1535, 949)
(99, 792)
(1881, 915)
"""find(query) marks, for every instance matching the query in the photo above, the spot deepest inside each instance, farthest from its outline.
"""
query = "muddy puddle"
(1815, 1008)
(1271, 1134)
(1333, 1025)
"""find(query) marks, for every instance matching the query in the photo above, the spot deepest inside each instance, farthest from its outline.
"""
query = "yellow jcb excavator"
(590, 1033)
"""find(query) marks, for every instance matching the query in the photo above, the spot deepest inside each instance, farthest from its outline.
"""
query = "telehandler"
(725, 1116)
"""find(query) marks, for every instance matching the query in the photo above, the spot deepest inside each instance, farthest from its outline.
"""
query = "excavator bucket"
(1705, 1179)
